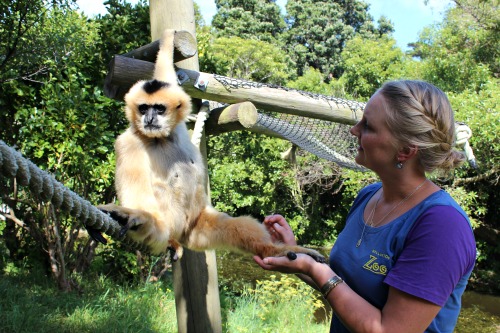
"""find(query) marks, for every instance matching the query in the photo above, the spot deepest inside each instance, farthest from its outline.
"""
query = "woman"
(402, 262)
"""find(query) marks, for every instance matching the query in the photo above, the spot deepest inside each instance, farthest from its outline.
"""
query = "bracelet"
(330, 284)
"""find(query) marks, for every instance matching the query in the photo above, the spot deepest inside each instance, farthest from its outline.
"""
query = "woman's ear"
(407, 152)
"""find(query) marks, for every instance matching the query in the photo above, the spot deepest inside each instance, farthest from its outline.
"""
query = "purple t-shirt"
(428, 252)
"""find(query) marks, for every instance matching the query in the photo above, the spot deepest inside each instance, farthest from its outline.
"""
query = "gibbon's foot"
(318, 257)
(292, 251)
(175, 249)
(173, 254)
(291, 254)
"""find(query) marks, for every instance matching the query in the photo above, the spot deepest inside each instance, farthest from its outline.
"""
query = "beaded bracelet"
(330, 284)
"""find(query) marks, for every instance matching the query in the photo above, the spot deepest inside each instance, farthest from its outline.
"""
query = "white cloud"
(95, 7)
(91, 7)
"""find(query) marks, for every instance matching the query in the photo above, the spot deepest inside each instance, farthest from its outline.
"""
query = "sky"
(409, 17)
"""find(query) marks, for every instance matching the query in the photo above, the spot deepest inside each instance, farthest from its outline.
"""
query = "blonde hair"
(420, 114)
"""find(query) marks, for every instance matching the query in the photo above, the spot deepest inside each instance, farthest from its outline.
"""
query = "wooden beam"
(184, 48)
(195, 274)
(236, 117)
(126, 70)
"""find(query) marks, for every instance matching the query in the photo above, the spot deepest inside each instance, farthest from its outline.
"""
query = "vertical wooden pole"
(195, 275)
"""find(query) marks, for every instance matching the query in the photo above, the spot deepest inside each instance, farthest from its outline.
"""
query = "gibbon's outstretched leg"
(218, 230)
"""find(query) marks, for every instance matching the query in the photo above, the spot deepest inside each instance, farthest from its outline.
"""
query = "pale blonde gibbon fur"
(160, 176)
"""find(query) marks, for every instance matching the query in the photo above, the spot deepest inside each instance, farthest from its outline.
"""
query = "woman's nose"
(354, 129)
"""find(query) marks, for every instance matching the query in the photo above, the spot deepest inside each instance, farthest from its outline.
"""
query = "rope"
(200, 124)
(46, 188)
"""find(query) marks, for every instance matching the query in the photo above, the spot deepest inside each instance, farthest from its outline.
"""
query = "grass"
(28, 305)
(285, 305)
(29, 302)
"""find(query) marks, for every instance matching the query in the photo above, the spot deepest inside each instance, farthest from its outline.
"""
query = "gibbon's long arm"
(164, 66)
(160, 177)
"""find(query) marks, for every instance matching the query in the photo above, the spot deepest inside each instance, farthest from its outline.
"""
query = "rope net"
(326, 139)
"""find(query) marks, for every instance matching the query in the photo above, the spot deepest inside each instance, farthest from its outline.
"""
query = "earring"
(399, 165)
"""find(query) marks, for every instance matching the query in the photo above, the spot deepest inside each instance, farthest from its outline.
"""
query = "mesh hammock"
(326, 139)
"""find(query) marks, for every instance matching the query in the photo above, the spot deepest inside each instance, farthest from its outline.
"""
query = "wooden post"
(195, 275)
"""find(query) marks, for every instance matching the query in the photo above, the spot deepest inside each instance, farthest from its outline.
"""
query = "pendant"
(358, 243)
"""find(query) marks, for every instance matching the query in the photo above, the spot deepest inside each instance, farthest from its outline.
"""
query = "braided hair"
(420, 114)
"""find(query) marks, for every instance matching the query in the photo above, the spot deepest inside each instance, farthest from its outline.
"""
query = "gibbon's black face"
(156, 107)
(151, 115)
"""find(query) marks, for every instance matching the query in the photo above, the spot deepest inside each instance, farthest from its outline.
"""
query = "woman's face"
(377, 150)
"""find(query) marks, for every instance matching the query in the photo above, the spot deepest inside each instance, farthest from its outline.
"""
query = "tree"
(21, 49)
(124, 28)
(317, 32)
(248, 59)
(462, 52)
(60, 119)
(479, 110)
(368, 63)
(248, 19)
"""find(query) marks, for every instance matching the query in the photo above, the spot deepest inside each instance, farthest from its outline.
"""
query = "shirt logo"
(373, 266)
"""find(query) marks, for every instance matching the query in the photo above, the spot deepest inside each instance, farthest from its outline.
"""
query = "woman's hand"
(279, 229)
(302, 264)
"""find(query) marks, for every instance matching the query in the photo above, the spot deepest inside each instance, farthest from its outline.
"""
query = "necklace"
(372, 213)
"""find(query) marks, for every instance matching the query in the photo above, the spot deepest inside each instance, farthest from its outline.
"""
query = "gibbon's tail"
(164, 67)
(218, 230)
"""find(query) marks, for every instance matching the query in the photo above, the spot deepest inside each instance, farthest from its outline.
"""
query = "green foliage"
(20, 21)
(60, 119)
(249, 59)
(368, 63)
(285, 305)
(249, 178)
(248, 19)
(451, 71)
(480, 111)
(318, 30)
(462, 52)
(312, 81)
(125, 27)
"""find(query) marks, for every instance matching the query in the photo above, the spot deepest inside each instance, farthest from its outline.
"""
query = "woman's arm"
(402, 312)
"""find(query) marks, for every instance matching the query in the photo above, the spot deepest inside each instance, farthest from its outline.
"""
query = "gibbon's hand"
(96, 235)
(279, 229)
(302, 264)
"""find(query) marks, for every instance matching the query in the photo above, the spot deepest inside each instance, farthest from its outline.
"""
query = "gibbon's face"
(155, 107)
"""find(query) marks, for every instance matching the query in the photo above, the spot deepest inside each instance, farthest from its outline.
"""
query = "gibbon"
(160, 177)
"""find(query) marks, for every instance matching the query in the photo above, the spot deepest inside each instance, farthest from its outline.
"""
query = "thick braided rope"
(47, 189)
